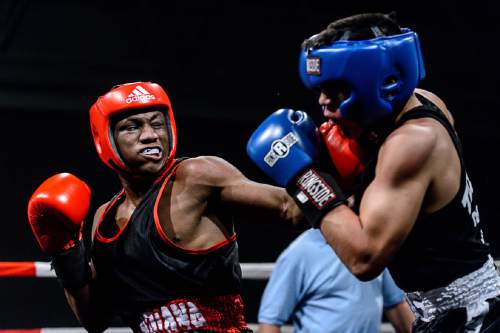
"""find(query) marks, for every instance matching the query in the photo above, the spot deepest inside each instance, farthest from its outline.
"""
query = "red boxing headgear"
(124, 98)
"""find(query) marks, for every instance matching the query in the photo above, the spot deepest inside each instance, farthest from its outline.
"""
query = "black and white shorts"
(470, 304)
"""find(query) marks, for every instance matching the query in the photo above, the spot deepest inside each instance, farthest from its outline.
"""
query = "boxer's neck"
(136, 187)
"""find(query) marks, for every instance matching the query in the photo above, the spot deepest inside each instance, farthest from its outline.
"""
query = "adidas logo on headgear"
(139, 94)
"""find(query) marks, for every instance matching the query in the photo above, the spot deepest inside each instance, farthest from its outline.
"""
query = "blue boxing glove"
(270, 146)
(285, 146)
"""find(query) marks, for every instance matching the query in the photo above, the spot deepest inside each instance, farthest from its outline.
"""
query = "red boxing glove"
(345, 153)
(56, 212)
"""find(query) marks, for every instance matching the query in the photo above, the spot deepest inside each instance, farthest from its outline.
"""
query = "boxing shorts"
(219, 314)
(468, 304)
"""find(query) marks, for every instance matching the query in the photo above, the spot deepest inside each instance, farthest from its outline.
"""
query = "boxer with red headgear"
(164, 252)
(123, 99)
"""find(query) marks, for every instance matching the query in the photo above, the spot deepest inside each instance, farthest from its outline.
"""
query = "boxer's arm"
(237, 191)
(269, 328)
(400, 317)
(56, 213)
(95, 221)
(390, 206)
(82, 301)
(90, 316)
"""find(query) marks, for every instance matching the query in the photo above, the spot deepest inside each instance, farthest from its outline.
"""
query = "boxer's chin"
(145, 172)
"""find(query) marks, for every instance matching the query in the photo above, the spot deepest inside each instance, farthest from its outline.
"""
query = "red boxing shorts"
(220, 314)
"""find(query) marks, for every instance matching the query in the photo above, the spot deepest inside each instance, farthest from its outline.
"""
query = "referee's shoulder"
(307, 242)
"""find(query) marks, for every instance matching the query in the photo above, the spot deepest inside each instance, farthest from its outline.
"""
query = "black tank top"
(446, 244)
(139, 268)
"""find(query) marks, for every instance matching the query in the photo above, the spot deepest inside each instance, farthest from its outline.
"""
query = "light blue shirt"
(310, 285)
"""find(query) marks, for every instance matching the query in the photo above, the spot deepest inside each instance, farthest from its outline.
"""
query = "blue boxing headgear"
(381, 73)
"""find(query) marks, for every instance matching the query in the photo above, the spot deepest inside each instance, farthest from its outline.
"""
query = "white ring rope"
(40, 269)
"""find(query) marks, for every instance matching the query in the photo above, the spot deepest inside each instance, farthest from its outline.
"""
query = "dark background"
(225, 65)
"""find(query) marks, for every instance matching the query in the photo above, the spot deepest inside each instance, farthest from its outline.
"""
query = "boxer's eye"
(158, 124)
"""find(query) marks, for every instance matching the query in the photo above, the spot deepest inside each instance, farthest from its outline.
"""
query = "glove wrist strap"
(72, 268)
(316, 193)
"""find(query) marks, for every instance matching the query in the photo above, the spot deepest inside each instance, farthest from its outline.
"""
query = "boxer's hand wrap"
(316, 193)
(72, 267)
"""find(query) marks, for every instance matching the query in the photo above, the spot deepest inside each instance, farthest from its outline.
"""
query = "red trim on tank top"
(167, 240)
(98, 235)
(171, 163)
(103, 239)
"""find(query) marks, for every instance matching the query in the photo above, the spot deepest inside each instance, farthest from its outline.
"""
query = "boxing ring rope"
(39, 269)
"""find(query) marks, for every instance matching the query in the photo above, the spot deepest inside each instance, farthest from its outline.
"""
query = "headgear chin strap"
(381, 73)
(125, 98)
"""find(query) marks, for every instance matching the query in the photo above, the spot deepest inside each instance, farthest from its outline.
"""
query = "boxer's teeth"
(151, 151)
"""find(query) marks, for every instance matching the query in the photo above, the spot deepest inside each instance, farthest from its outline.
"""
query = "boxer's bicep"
(388, 209)
(388, 212)
(393, 201)
(367, 242)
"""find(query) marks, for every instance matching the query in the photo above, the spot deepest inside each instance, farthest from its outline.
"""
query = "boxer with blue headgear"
(380, 73)
(415, 209)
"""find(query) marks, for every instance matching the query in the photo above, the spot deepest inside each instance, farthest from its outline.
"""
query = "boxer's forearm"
(400, 317)
(90, 316)
(260, 202)
(269, 328)
(276, 201)
(356, 247)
